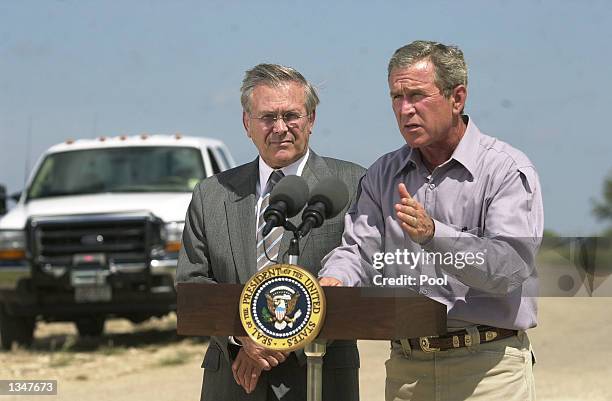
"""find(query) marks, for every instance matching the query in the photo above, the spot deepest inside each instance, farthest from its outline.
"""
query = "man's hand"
(246, 371)
(265, 359)
(413, 217)
(329, 282)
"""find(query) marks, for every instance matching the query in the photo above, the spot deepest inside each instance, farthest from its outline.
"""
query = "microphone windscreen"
(333, 193)
(292, 190)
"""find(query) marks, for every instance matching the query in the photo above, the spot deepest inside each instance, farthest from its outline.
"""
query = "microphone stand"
(294, 244)
(316, 349)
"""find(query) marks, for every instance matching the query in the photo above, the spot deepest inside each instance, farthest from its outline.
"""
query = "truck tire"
(90, 326)
(15, 329)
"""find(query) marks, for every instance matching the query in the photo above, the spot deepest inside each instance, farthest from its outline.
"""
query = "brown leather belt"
(459, 339)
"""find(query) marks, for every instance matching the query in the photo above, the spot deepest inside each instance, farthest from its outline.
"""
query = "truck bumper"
(56, 302)
(62, 306)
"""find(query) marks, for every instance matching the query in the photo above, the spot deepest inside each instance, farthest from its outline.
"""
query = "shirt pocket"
(467, 229)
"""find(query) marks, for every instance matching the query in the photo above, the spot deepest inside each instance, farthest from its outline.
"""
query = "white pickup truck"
(97, 230)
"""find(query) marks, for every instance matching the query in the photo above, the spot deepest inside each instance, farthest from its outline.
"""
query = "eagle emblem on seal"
(281, 307)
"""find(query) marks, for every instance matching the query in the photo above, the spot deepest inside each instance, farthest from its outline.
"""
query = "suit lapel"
(315, 170)
(240, 213)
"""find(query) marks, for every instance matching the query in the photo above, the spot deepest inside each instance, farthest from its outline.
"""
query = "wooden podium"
(364, 313)
(353, 313)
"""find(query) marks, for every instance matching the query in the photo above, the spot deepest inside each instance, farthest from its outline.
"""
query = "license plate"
(97, 293)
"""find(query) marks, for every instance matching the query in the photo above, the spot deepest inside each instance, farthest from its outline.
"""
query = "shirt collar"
(410, 158)
(295, 168)
(465, 153)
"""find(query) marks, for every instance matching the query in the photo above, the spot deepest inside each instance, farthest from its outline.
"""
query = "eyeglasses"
(290, 118)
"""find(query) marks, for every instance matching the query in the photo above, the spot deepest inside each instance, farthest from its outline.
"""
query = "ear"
(245, 122)
(459, 96)
(311, 120)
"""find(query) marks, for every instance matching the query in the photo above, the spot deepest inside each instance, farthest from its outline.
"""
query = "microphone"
(328, 198)
(287, 198)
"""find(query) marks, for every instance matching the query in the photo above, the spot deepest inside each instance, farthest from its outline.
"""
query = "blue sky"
(539, 77)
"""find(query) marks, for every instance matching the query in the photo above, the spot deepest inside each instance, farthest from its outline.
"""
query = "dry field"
(573, 346)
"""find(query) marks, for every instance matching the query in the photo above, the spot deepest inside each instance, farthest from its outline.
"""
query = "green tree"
(603, 209)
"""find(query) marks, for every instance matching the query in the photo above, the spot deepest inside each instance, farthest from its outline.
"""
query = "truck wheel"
(90, 326)
(15, 329)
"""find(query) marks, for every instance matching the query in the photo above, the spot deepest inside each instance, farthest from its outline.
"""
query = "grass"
(61, 360)
(111, 350)
(9, 278)
(552, 257)
(594, 254)
(179, 358)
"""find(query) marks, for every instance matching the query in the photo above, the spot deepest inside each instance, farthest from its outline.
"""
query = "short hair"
(275, 75)
(450, 67)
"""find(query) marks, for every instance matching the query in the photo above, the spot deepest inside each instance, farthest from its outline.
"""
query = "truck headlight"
(171, 235)
(12, 245)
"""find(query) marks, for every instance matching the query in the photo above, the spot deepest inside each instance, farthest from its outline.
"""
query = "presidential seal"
(282, 307)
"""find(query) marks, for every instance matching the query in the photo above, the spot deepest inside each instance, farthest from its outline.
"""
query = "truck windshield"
(133, 169)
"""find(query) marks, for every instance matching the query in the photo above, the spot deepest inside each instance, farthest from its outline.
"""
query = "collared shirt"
(487, 209)
(295, 168)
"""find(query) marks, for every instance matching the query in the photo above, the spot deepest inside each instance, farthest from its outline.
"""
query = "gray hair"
(275, 75)
(450, 68)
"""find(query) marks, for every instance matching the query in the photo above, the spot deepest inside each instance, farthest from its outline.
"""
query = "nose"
(279, 126)
(406, 106)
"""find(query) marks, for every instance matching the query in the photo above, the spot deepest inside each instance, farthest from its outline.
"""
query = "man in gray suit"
(222, 240)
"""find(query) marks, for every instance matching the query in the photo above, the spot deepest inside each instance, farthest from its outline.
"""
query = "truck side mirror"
(2, 200)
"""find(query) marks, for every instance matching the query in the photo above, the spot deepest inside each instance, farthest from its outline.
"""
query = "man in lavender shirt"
(457, 216)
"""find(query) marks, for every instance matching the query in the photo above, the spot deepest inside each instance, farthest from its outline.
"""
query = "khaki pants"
(498, 370)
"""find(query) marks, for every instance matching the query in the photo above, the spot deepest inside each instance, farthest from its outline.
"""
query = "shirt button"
(432, 186)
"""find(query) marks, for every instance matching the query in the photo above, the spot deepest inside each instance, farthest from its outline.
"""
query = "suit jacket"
(219, 247)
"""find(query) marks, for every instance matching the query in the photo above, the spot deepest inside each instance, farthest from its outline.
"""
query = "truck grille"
(122, 239)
